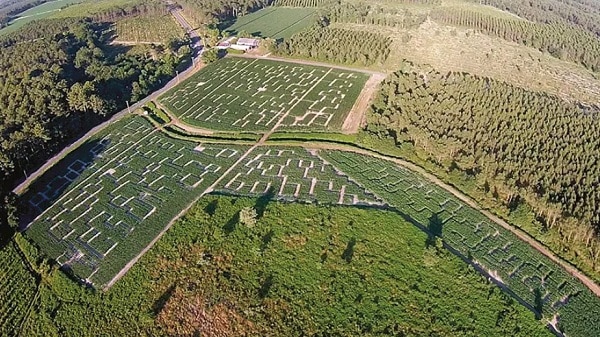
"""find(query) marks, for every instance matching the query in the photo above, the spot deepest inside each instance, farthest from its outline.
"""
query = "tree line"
(212, 12)
(64, 81)
(527, 147)
(373, 14)
(560, 40)
(337, 45)
(584, 14)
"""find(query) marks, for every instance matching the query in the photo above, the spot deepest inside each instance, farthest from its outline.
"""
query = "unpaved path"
(357, 116)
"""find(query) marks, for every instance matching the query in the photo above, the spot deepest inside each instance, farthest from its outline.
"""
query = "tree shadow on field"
(160, 303)
(230, 226)
(53, 184)
(349, 251)
(265, 287)
(434, 229)
(263, 201)
(211, 208)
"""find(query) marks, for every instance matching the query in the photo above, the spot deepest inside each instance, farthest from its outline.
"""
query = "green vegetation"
(274, 22)
(50, 94)
(239, 94)
(301, 269)
(38, 12)
(535, 280)
(157, 114)
(150, 28)
(18, 288)
(338, 46)
(539, 151)
(101, 205)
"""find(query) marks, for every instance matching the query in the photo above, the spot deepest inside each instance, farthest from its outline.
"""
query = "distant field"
(101, 205)
(148, 29)
(91, 7)
(238, 94)
(39, 12)
(274, 22)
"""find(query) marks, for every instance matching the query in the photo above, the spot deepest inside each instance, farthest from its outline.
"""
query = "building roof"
(247, 42)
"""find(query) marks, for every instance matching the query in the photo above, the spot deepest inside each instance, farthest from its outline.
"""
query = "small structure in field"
(252, 43)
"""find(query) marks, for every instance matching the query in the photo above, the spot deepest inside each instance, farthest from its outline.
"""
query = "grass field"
(294, 174)
(157, 29)
(91, 7)
(292, 274)
(538, 282)
(274, 22)
(39, 12)
(104, 203)
(237, 94)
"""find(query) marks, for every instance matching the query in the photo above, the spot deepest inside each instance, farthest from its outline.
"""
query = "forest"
(66, 80)
(561, 40)
(527, 147)
(580, 13)
(337, 45)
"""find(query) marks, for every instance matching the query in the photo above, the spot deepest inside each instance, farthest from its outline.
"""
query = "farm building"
(252, 43)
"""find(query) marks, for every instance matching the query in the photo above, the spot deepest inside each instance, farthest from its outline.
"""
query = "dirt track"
(356, 116)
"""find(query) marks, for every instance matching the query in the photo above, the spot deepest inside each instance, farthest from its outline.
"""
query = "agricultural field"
(537, 282)
(238, 94)
(18, 288)
(148, 29)
(104, 203)
(274, 22)
(294, 174)
(36, 13)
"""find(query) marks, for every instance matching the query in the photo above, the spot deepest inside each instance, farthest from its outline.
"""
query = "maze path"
(495, 249)
(294, 174)
(96, 211)
(251, 95)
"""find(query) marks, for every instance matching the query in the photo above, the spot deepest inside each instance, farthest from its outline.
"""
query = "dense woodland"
(65, 80)
(526, 146)
(337, 45)
(560, 40)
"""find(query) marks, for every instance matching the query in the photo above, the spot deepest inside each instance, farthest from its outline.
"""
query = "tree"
(248, 216)
(210, 55)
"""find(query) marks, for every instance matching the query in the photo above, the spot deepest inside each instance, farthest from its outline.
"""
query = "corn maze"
(106, 202)
(294, 174)
(535, 279)
(237, 94)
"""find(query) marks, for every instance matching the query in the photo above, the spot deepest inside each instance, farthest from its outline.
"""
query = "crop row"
(17, 289)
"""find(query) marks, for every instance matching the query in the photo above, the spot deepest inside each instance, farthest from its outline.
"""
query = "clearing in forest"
(274, 22)
(242, 94)
(101, 205)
